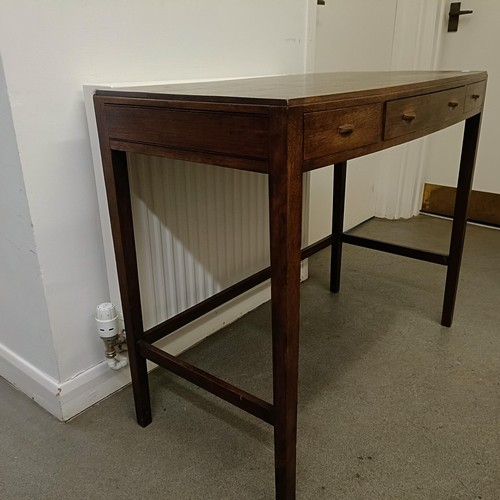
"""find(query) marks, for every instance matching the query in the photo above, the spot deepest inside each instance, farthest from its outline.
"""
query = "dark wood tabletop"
(299, 89)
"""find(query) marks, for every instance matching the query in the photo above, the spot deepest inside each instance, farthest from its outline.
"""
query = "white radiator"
(198, 229)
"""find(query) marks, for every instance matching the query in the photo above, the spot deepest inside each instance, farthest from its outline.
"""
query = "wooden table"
(281, 126)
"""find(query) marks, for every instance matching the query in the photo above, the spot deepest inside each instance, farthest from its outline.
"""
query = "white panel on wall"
(199, 229)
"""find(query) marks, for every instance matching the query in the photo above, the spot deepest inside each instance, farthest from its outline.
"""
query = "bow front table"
(281, 126)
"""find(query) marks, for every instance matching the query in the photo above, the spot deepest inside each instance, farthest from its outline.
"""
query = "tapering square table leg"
(118, 191)
(339, 182)
(285, 206)
(464, 186)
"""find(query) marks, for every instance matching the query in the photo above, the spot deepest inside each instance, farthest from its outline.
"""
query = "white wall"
(49, 50)
(23, 310)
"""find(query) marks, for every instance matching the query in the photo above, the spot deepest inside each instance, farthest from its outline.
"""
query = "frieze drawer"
(406, 116)
(327, 132)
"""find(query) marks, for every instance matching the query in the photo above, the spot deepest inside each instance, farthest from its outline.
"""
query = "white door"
(350, 36)
(474, 46)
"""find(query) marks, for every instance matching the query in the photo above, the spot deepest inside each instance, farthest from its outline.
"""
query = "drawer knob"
(453, 104)
(475, 96)
(408, 116)
(346, 129)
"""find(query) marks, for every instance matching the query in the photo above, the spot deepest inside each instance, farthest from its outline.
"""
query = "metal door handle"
(455, 14)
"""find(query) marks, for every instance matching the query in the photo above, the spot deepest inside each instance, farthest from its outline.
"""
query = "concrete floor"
(392, 405)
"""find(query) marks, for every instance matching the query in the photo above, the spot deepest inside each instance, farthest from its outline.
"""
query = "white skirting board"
(67, 399)
(33, 382)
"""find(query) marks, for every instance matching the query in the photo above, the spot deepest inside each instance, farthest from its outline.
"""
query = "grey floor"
(392, 405)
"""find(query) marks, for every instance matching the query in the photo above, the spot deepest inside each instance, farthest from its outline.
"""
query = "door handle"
(454, 15)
